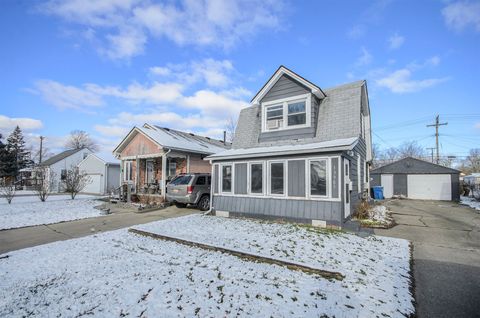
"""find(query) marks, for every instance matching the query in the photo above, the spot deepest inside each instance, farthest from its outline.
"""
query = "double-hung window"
(277, 178)
(256, 178)
(226, 178)
(318, 178)
(287, 113)
(274, 115)
(297, 113)
(127, 171)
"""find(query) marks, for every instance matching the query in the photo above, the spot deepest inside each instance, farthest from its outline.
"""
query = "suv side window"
(209, 180)
(201, 180)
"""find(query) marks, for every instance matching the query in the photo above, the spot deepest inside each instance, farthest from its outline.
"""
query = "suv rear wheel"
(180, 205)
(204, 203)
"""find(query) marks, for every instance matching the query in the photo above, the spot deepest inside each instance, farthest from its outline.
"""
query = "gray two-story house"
(300, 153)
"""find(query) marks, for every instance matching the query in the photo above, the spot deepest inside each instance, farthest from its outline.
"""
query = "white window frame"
(359, 173)
(285, 101)
(127, 168)
(269, 176)
(328, 194)
(220, 173)
(249, 178)
(169, 164)
(146, 170)
(215, 189)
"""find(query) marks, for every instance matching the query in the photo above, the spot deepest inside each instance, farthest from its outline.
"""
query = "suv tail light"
(189, 189)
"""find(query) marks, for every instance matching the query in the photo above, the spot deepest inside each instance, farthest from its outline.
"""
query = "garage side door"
(429, 186)
(94, 185)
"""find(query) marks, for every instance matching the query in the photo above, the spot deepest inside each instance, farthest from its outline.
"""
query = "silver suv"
(190, 188)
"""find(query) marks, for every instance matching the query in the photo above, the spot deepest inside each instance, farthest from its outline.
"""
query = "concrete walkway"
(446, 239)
(15, 239)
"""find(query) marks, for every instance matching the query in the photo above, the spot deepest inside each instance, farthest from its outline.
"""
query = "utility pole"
(431, 149)
(41, 149)
(436, 125)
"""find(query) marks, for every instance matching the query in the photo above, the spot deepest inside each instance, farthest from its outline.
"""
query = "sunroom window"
(227, 178)
(277, 178)
(318, 177)
(256, 178)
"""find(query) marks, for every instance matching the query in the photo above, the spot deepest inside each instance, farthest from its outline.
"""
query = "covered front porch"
(149, 174)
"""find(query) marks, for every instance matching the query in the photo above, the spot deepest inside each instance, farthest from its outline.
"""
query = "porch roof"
(256, 152)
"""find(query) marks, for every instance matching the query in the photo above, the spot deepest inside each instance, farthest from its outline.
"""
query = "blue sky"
(105, 66)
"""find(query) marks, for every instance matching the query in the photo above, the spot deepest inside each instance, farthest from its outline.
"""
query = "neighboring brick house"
(300, 153)
(151, 156)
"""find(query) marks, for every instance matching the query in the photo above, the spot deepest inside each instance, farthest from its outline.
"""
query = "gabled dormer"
(288, 106)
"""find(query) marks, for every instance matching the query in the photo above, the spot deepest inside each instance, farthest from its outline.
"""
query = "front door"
(347, 186)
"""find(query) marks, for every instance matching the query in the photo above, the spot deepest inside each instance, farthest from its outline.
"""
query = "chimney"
(225, 137)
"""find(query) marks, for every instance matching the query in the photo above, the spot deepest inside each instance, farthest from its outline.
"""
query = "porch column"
(164, 175)
(137, 174)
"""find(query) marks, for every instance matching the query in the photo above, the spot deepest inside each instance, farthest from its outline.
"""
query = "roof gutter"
(283, 153)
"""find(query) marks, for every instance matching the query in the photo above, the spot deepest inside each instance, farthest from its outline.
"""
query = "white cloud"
(400, 81)
(365, 58)
(462, 14)
(129, 23)
(65, 96)
(477, 126)
(214, 73)
(112, 131)
(357, 31)
(9, 123)
(395, 41)
(160, 71)
(213, 104)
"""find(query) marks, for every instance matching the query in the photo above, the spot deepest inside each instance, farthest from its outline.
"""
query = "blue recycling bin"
(378, 193)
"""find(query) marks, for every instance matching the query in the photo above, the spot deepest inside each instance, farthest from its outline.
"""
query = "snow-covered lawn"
(379, 216)
(471, 202)
(123, 274)
(28, 211)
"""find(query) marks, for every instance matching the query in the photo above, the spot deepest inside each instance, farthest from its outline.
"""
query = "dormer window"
(288, 113)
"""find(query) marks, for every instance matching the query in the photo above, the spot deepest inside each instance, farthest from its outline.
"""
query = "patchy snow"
(471, 202)
(119, 273)
(380, 214)
(28, 211)
(376, 268)
(53, 197)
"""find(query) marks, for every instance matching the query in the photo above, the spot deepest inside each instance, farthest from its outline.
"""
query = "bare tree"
(472, 162)
(411, 149)
(79, 139)
(44, 177)
(75, 181)
(230, 128)
(8, 192)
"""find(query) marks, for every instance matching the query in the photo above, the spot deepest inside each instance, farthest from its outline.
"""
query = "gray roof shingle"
(411, 165)
(338, 118)
(67, 153)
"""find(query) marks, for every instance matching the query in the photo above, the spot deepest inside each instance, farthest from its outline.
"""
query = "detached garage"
(417, 179)
(104, 176)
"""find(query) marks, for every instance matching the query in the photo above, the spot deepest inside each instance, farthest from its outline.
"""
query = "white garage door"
(387, 184)
(429, 186)
(94, 185)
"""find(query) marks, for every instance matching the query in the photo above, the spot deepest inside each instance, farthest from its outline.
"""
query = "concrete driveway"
(446, 238)
(15, 239)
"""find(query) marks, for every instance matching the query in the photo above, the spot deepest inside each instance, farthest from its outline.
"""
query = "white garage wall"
(429, 186)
